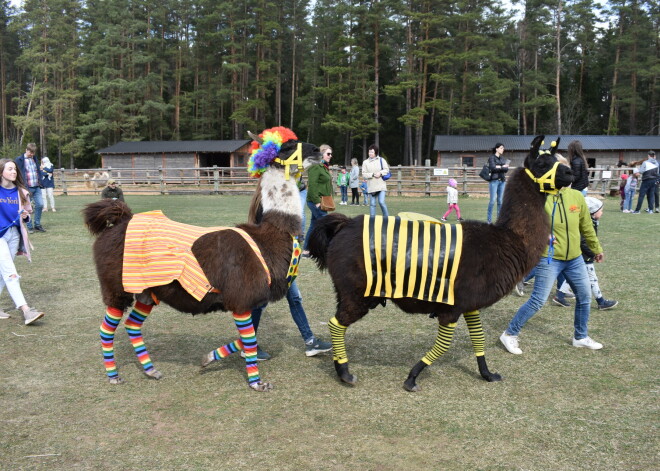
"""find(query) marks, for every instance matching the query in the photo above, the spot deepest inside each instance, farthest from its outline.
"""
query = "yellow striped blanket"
(407, 258)
(158, 251)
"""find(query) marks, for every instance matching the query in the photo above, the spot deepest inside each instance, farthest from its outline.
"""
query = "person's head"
(373, 151)
(651, 154)
(9, 174)
(498, 149)
(45, 161)
(354, 162)
(326, 152)
(624, 176)
(112, 183)
(452, 183)
(575, 150)
(595, 207)
(30, 149)
(343, 169)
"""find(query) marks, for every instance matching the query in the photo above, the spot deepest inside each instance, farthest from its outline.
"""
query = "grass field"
(558, 407)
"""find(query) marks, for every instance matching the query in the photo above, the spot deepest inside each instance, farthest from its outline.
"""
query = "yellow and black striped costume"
(407, 258)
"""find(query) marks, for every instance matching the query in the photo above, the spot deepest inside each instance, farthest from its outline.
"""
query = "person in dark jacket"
(498, 167)
(579, 166)
(28, 165)
(650, 174)
(112, 191)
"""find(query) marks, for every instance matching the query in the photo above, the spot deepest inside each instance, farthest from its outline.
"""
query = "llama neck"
(523, 211)
(280, 200)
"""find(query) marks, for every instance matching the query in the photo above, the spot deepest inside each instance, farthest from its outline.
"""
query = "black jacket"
(580, 173)
(497, 173)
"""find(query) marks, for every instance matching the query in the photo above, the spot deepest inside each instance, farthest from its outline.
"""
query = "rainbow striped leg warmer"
(473, 320)
(337, 334)
(108, 327)
(226, 350)
(442, 342)
(133, 327)
(249, 343)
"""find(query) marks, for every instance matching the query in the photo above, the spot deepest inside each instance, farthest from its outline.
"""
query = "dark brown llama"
(494, 258)
(228, 259)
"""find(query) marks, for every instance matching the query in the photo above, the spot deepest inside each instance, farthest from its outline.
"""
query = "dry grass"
(557, 408)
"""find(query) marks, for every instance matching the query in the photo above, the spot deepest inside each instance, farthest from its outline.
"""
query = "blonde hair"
(323, 148)
(562, 160)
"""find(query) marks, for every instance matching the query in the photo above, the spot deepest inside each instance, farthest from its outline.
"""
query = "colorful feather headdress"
(263, 153)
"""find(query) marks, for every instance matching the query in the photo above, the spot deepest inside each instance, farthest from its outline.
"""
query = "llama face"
(544, 166)
(290, 149)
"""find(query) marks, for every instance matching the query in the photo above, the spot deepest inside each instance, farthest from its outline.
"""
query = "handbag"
(387, 175)
(327, 204)
(485, 172)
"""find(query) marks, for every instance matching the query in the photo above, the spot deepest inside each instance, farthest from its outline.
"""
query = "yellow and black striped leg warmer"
(442, 342)
(337, 333)
(473, 321)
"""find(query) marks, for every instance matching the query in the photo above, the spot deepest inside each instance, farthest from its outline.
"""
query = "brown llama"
(244, 267)
(363, 264)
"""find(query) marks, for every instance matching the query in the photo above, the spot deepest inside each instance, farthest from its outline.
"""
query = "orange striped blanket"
(158, 251)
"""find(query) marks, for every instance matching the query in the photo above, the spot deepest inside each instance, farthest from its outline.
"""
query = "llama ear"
(554, 146)
(255, 138)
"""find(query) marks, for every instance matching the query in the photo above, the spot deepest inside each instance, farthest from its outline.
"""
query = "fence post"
(464, 178)
(399, 186)
(162, 180)
(216, 180)
(63, 178)
(427, 182)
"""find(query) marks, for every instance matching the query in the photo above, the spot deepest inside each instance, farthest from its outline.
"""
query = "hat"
(111, 181)
(651, 152)
(452, 182)
(593, 204)
(624, 176)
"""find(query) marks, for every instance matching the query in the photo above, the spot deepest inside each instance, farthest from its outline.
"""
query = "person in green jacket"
(319, 183)
(569, 218)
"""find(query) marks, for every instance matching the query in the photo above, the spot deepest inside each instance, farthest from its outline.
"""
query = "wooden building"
(600, 151)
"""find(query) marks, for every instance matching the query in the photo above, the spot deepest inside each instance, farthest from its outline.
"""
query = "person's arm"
(365, 172)
(120, 194)
(313, 184)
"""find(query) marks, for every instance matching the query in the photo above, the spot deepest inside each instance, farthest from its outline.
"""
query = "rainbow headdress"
(262, 154)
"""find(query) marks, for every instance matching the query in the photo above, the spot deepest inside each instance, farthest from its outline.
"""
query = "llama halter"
(546, 182)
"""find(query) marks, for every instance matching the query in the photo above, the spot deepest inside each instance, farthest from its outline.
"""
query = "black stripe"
(408, 242)
(372, 252)
(395, 250)
(420, 258)
(450, 264)
(429, 258)
(383, 254)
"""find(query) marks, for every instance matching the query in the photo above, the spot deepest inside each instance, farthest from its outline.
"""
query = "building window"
(467, 160)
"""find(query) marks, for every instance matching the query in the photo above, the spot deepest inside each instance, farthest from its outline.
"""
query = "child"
(629, 190)
(365, 192)
(342, 182)
(452, 201)
(596, 211)
(622, 189)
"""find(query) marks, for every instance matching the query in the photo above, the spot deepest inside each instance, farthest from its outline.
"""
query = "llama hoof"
(262, 386)
(492, 377)
(207, 359)
(411, 386)
(154, 374)
(115, 380)
(349, 379)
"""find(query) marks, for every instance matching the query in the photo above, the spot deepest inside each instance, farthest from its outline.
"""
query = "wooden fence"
(405, 181)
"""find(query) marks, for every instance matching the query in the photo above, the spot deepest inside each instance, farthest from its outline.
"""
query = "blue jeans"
(627, 203)
(344, 193)
(496, 189)
(298, 315)
(647, 189)
(366, 197)
(316, 214)
(546, 273)
(38, 201)
(379, 197)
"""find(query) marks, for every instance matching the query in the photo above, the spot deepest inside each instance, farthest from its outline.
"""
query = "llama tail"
(320, 237)
(106, 213)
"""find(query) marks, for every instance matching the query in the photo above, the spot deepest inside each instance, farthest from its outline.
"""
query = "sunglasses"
(328, 153)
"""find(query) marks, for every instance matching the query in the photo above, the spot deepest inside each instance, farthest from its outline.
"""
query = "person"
(15, 207)
(319, 183)
(48, 182)
(112, 191)
(649, 172)
(452, 200)
(373, 170)
(313, 344)
(29, 168)
(629, 191)
(570, 219)
(622, 190)
(596, 211)
(365, 191)
(579, 166)
(343, 180)
(302, 189)
(354, 183)
(498, 168)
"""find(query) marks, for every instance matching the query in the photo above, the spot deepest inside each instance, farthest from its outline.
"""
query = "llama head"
(278, 148)
(544, 169)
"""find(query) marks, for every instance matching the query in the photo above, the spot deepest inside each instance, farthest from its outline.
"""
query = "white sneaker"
(4, 315)
(520, 289)
(587, 342)
(32, 315)
(510, 342)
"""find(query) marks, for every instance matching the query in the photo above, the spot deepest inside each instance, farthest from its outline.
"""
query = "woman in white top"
(373, 170)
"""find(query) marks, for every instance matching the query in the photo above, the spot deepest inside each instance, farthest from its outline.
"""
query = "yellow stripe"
(388, 273)
(436, 250)
(413, 263)
(457, 258)
(401, 260)
(367, 256)
(378, 236)
(425, 262)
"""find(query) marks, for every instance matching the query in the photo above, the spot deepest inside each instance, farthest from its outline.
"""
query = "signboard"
(440, 171)
(607, 174)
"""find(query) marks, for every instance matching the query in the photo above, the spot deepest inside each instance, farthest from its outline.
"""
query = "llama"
(484, 268)
(239, 268)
